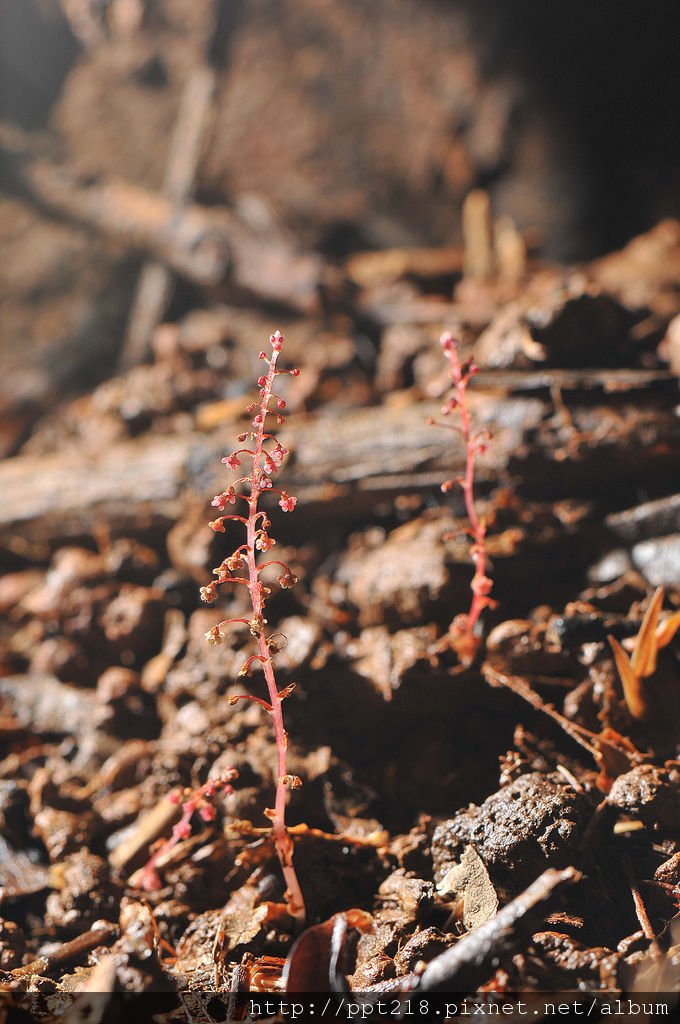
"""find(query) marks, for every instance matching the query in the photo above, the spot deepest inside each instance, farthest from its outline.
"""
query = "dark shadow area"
(37, 49)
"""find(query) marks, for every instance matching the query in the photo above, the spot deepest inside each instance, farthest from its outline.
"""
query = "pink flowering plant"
(197, 801)
(464, 632)
(259, 461)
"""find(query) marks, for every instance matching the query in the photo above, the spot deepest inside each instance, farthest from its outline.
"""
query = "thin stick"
(155, 281)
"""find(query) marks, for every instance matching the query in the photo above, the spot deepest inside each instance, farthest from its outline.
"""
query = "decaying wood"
(153, 288)
(651, 519)
(372, 269)
(203, 244)
(341, 465)
(194, 242)
(102, 935)
(150, 826)
(477, 236)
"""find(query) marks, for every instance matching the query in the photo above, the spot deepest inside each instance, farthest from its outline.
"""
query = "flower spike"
(265, 457)
(463, 635)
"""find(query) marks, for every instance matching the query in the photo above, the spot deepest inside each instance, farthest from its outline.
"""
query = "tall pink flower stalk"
(463, 634)
(263, 455)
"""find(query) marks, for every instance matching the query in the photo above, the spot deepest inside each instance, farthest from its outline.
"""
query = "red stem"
(481, 585)
(477, 528)
(282, 839)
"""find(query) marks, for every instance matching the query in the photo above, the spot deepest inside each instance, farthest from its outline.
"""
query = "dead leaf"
(630, 680)
(314, 963)
(644, 655)
(469, 880)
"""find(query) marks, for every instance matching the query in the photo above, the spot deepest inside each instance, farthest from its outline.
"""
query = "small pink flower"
(217, 525)
(481, 585)
(227, 497)
(287, 580)
(278, 454)
(280, 403)
(209, 593)
(207, 812)
(257, 420)
(232, 461)
(264, 542)
(214, 636)
(182, 830)
(287, 501)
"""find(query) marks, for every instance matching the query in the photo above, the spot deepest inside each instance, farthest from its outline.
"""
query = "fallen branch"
(473, 959)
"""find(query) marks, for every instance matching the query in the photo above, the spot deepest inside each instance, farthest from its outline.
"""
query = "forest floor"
(434, 794)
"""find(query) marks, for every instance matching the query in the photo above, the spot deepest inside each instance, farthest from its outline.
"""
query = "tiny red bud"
(262, 355)
(295, 373)
(182, 830)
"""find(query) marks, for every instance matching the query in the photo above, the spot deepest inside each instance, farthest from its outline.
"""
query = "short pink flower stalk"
(463, 635)
(263, 455)
(197, 801)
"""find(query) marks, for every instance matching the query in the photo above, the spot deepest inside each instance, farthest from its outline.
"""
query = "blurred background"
(301, 131)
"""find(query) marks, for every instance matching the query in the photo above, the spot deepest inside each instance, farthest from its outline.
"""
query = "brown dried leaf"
(667, 630)
(646, 646)
(314, 963)
(470, 881)
(632, 684)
